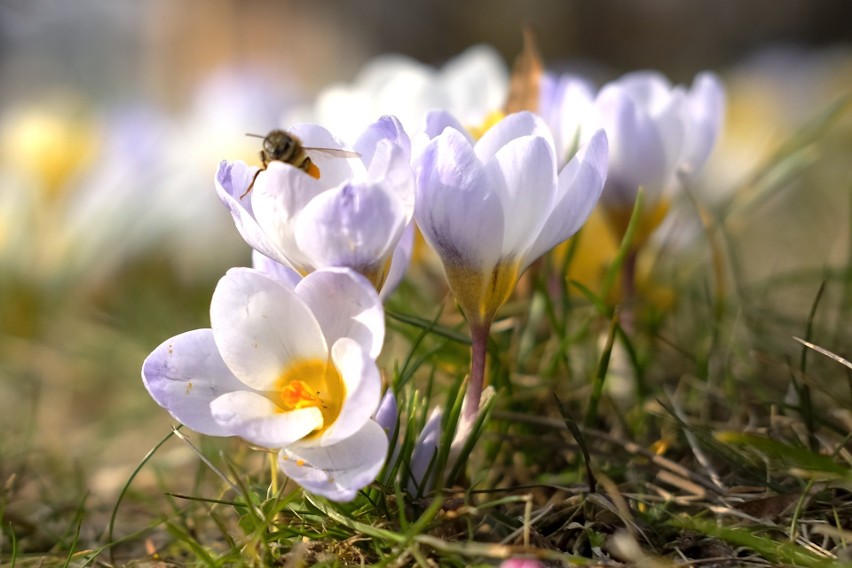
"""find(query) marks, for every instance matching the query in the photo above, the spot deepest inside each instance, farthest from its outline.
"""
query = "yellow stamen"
(312, 383)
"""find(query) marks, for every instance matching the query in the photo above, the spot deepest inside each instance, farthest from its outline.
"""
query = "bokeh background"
(114, 116)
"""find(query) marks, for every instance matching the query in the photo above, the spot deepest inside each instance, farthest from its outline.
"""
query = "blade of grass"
(804, 389)
(126, 486)
(794, 456)
(626, 246)
(430, 326)
(600, 375)
(581, 442)
(78, 522)
(774, 551)
(13, 545)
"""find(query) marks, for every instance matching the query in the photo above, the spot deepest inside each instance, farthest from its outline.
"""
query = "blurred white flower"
(470, 86)
(657, 132)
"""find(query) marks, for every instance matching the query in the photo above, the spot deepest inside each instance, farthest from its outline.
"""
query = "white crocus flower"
(491, 208)
(656, 133)
(471, 86)
(357, 214)
(289, 367)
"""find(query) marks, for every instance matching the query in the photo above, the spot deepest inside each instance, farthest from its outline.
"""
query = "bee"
(285, 147)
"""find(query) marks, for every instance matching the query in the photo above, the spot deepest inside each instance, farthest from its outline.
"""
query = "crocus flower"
(491, 208)
(424, 478)
(470, 85)
(356, 215)
(565, 104)
(656, 132)
(285, 367)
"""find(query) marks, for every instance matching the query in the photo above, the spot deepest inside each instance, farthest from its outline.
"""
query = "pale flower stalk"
(285, 366)
(491, 208)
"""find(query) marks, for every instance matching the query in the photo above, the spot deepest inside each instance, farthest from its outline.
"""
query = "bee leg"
(251, 185)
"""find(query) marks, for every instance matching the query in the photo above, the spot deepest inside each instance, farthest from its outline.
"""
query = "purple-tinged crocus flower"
(284, 366)
(657, 133)
(356, 215)
(491, 208)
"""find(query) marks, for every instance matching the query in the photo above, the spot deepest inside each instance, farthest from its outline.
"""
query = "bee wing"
(336, 152)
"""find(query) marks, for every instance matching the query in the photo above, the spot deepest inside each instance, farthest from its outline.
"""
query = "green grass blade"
(772, 550)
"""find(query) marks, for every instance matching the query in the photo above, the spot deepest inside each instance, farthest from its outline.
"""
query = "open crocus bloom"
(491, 208)
(356, 215)
(288, 367)
(656, 133)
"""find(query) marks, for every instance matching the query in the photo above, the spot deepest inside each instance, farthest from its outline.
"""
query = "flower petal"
(260, 327)
(345, 305)
(363, 385)
(185, 374)
(399, 262)
(355, 225)
(706, 109)
(424, 454)
(523, 174)
(579, 188)
(258, 420)
(280, 193)
(513, 126)
(387, 415)
(455, 208)
(338, 472)
(391, 166)
(232, 181)
(636, 153)
(284, 275)
(386, 128)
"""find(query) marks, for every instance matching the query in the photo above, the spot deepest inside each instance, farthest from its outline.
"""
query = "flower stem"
(479, 348)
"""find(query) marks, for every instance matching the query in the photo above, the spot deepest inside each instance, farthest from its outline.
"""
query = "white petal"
(346, 305)
(283, 274)
(579, 188)
(386, 128)
(706, 110)
(513, 126)
(232, 180)
(523, 172)
(424, 453)
(387, 415)
(399, 262)
(363, 385)
(355, 225)
(477, 82)
(338, 472)
(258, 420)
(260, 327)
(280, 193)
(186, 373)
(636, 152)
(391, 166)
(648, 89)
(456, 209)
